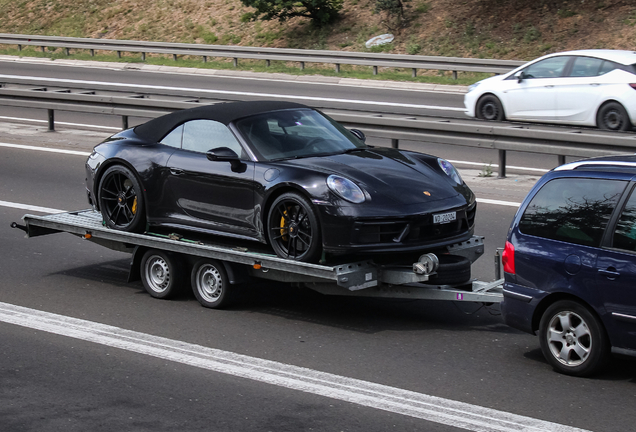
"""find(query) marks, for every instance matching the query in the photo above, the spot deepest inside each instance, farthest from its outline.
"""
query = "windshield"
(295, 134)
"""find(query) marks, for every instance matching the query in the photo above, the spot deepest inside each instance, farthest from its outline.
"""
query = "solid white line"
(60, 123)
(365, 393)
(30, 207)
(58, 81)
(498, 202)
(45, 149)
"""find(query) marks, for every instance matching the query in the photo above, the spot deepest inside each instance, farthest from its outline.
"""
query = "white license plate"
(443, 218)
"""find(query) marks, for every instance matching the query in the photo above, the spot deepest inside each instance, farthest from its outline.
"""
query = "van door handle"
(610, 273)
(549, 86)
(176, 171)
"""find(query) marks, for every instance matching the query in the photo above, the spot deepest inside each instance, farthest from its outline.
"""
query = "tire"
(489, 108)
(572, 339)
(293, 229)
(210, 284)
(121, 201)
(612, 116)
(161, 274)
(452, 270)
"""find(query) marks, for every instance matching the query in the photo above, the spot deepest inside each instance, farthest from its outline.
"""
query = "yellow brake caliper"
(134, 206)
(283, 226)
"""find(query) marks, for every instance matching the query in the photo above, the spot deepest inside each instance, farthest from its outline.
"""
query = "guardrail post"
(267, 63)
(118, 54)
(42, 49)
(414, 74)
(68, 51)
(19, 47)
(502, 164)
(337, 67)
(51, 120)
(235, 62)
(561, 160)
(395, 143)
(454, 75)
(375, 70)
(174, 57)
(302, 65)
(124, 122)
(92, 53)
(143, 56)
(205, 59)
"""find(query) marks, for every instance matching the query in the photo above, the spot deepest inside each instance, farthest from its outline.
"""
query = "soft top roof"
(155, 129)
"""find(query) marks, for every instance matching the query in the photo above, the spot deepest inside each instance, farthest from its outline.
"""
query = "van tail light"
(508, 258)
(633, 86)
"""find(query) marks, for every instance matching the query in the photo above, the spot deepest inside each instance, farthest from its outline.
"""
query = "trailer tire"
(161, 273)
(210, 284)
(452, 270)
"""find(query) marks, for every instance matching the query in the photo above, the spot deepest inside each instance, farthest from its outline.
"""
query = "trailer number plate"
(443, 218)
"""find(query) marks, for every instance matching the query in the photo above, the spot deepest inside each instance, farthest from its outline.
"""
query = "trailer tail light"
(508, 258)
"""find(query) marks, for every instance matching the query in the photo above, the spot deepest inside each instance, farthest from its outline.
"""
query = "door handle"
(176, 171)
(610, 273)
(549, 86)
(595, 84)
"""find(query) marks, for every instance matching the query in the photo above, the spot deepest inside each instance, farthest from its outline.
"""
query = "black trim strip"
(624, 317)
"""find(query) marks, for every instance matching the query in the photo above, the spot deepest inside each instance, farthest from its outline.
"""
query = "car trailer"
(159, 261)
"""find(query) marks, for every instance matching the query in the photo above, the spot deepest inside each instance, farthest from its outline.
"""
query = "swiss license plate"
(443, 218)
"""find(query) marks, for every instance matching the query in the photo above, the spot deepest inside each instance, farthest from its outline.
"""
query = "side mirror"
(224, 154)
(519, 75)
(359, 134)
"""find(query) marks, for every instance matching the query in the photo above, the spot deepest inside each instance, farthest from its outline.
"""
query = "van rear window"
(574, 210)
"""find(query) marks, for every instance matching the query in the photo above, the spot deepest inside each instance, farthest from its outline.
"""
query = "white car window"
(204, 135)
(173, 139)
(586, 67)
(549, 68)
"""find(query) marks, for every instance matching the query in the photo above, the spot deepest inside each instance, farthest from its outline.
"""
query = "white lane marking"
(45, 149)
(481, 164)
(59, 81)
(59, 123)
(30, 207)
(498, 202)
(365, 393)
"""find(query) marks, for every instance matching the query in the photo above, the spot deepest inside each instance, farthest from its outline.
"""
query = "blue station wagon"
(570, 264)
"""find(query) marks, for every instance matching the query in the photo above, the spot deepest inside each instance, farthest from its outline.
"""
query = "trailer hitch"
(18, 226)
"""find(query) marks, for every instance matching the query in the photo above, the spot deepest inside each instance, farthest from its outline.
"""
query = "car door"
(534, 97)
(579, 93)
(616, 278)
(211, 194)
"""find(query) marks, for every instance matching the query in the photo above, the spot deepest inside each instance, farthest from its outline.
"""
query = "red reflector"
(633, 86)
(508, 258)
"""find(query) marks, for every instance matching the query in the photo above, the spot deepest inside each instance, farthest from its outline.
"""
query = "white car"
(587, 87)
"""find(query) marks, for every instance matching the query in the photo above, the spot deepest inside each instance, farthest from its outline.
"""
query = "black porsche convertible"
(278, 173)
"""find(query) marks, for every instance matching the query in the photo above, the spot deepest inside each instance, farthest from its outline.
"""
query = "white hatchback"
(586, 87)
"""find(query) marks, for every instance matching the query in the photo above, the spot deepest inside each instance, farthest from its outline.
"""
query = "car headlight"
(473, 86)
(450, 170)
(345, 189)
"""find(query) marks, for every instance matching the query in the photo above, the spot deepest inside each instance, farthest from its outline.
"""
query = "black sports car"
(278, 173)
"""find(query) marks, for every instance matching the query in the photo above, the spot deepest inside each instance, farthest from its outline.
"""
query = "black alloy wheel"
(573, 339)
(612, 116)
(293, 229)
(121, 201)
(489, 108)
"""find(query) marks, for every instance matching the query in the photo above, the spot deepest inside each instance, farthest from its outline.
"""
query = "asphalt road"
(456, 351)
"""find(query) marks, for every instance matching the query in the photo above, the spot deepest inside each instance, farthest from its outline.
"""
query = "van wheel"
(572, 339)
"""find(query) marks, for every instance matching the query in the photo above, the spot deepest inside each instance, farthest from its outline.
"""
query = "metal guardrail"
(413, 62)
(502, 136)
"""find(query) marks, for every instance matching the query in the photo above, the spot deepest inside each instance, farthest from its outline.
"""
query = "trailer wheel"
(452, 270)
(210, 284)
(161, 274)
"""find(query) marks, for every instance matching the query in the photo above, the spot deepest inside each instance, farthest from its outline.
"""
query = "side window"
(608, 66)
(549, 68)
(625, 232)
(173, 139)
(203, 135)
(586, 67)
(574, 210)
